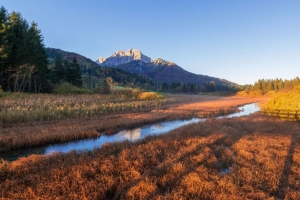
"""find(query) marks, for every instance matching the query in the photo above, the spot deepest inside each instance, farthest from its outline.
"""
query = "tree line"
(23, 60)
(196, 88)
(266, 85)
(65, 71)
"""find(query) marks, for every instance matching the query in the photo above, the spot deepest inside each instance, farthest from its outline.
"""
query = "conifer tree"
(59, 71)
(77, 80)
(23, 57)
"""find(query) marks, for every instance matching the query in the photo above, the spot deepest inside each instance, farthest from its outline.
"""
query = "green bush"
(68, 88)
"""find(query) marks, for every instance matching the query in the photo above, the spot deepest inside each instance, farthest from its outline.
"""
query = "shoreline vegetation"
(38, 133)
(252, 157)
(284, 105)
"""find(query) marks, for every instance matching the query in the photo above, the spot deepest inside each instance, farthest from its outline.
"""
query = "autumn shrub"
(242, 93)
(249, 94)
(255, 93)
(271, 93)
(284, 105)
(136, 92)
(150, 95)
(68, 88)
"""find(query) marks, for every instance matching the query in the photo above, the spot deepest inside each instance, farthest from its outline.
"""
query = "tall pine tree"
(23, 57)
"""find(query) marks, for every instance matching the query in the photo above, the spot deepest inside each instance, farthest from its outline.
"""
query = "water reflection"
(244, 110)
(131, 135)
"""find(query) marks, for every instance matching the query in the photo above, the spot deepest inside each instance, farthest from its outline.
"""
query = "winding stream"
(131, 135)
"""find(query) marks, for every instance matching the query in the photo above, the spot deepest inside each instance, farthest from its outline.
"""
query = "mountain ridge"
(159, 70)
(93, 74)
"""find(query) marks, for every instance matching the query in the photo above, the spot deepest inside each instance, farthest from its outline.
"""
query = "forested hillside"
(93, 76)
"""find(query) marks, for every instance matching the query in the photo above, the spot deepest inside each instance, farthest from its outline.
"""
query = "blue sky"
(241, 41)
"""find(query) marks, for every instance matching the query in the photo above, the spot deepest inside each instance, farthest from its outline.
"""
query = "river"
(131, 135)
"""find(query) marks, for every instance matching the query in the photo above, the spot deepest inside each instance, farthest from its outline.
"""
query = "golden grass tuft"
(143, 190)
(150, 95)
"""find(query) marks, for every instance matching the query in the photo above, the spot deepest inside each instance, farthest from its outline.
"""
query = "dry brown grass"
(47, 132)
(262, 154)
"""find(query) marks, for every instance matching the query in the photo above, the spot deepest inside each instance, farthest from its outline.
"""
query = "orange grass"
(21, 108)
(47, 132)
(261, 153)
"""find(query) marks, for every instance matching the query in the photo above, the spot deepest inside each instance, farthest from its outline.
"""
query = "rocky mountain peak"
(122, 57)
(101, 60)
(160, 61)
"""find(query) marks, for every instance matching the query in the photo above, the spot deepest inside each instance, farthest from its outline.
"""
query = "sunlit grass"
(37, 133)
(20, 108)
(285, 105)
(255, 157)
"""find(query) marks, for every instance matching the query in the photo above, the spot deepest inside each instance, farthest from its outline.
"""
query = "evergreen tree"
(59, 71)
(22, 55)
(184, 88)
(165, 86)
(3, 24)
(76, 73)
(192, 88)
(73, 73)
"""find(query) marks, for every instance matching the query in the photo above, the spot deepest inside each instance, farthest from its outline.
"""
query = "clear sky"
(241, 41)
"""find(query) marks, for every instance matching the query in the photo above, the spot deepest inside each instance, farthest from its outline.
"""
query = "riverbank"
(253, 157)
(49, 132)
(125, 134)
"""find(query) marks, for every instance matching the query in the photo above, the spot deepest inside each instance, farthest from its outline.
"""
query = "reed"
(40, 133)
(253, 157)
(24, 108)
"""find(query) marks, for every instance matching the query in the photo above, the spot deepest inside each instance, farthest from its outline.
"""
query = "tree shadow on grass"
(286, 172)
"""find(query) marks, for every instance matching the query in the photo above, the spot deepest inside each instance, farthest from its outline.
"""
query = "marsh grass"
(24, 108)
(40, 133)
(262, 156)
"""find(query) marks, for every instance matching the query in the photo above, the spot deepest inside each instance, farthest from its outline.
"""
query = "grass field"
(39, 133)
(254, 157)
(24, 108)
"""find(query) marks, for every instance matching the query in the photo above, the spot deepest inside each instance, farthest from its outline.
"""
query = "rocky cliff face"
(123, 57)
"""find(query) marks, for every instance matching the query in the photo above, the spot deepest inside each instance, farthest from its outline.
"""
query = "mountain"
(122, 57)
(93, 75)
(82, 61)
(159, 70)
